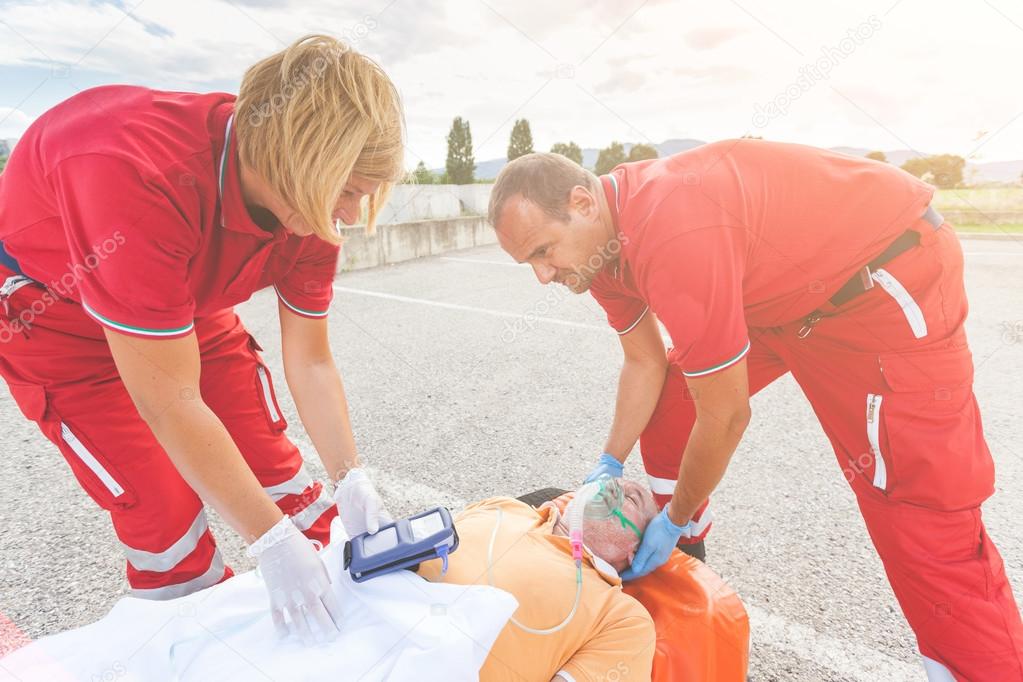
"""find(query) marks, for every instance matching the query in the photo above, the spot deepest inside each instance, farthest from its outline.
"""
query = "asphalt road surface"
(467, 379)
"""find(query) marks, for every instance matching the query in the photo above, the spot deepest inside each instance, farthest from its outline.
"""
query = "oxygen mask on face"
(600, 500)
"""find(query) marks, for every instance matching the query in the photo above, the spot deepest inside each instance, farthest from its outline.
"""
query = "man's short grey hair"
(542, 178)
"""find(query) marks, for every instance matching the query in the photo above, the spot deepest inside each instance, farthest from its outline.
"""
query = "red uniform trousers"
(889, 375)
(58, 366)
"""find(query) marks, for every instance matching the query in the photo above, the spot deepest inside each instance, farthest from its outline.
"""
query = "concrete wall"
(397, 242)
(426, 202)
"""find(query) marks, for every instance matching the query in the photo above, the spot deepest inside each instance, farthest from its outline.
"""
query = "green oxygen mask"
(606, 503)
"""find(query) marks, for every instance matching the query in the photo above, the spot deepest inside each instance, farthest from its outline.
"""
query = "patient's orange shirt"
(611, 636)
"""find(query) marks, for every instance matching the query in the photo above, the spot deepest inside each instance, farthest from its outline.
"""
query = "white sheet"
(397, 627)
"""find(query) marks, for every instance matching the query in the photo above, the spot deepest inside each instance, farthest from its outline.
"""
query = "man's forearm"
(704, 462)
(206, 456)
(319, 396)
(639, 389)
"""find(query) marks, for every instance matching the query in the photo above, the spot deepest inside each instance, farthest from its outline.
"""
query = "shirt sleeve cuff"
(142, 331)
(303, 311)
(623, 332)
(720, 366)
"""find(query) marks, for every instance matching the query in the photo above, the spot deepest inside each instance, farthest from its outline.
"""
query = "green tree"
(878, 156)
(422, 175)
(521, 141)
(642, 152)
(3, 163)
(609, 157)
(569, 150)
(460, 165)
(942, 170)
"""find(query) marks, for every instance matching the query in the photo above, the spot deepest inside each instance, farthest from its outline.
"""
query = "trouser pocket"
(95, 472)
(929, 432)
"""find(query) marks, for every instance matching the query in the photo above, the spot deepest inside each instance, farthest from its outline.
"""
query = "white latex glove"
(298, 584)
(359, 504)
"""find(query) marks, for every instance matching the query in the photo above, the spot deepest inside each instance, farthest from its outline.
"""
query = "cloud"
(709, 38)
(577, 69)
(623, 81)
(13, 122)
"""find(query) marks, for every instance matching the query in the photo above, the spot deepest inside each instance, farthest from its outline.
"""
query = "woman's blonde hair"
(312, 115)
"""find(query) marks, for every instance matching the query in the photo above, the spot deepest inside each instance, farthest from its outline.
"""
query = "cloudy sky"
(894, 74)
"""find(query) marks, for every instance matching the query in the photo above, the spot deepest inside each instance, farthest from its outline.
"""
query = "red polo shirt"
(745, 233)
(128, 201)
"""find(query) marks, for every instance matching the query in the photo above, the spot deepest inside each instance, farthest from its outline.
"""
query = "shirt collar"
(612, 192)
(550, 517)
(233, 213)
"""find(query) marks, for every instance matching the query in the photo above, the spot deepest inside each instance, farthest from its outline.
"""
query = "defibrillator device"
(402, 545)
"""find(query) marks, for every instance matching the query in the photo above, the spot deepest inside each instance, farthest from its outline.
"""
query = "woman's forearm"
(319, 395)
(206, 456)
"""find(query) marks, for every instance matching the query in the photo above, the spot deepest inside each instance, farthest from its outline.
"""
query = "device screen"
(425, 526)
(380, 542)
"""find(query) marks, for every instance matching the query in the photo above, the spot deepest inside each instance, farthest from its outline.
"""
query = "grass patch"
(979, 199)
(1012, 228)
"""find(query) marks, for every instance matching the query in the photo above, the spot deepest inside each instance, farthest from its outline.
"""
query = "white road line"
(531, 316)
(848, 659)
(480, 261)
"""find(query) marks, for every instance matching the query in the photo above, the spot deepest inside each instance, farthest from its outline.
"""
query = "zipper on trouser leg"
(268, 398)
(90, 461)
(874, 438)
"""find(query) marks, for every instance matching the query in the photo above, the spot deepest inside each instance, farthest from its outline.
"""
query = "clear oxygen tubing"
(576, 514)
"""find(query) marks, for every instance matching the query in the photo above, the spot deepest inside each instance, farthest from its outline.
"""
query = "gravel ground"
(459, 401)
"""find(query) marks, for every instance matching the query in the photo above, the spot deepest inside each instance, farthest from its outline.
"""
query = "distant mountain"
(994, 171)
(975, 173)
(896, 157)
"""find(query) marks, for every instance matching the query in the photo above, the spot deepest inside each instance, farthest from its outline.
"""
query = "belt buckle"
(866, 281)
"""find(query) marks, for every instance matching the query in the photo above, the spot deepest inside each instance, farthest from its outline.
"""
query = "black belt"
(862, 280)
(8, 261)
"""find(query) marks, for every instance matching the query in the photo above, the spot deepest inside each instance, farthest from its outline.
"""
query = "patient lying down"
(611, 635)
(398, 626)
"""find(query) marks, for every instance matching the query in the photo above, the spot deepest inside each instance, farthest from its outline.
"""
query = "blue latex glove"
(607, 464)
(659, 539)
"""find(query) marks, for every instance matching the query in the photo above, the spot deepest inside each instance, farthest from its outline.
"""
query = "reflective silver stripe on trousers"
(207, 579)
(304, 519)
(164, 561)
(666, 486)
(295, 485)
(661, 486)
(874, 438)
(909, 306)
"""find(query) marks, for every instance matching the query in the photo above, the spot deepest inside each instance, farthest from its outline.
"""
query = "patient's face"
(609, 540)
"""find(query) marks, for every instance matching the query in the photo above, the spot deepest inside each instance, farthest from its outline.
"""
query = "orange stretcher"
(702, 626)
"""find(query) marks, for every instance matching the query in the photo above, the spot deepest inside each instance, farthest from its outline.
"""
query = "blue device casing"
(403, 544)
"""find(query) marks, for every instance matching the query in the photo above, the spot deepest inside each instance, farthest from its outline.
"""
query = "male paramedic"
(760, 259)
(131, 222)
